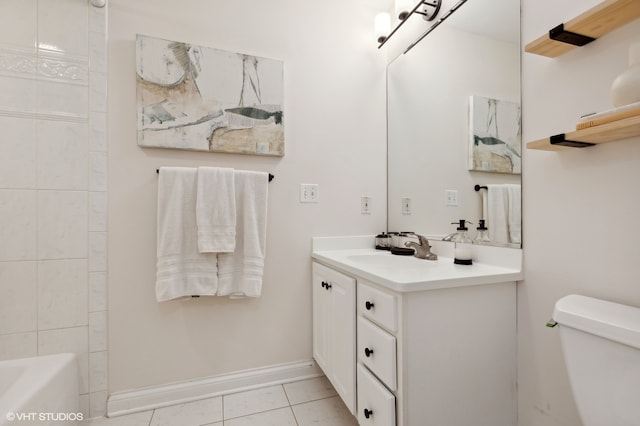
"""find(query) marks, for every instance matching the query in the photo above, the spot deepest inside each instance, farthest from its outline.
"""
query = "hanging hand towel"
(216, 210)
(240, 273)
(181, 269)
(515, 214)
(497, 210)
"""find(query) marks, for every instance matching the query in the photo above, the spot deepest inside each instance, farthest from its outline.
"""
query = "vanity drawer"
(378, 306)
(377, 350)
(376, 405)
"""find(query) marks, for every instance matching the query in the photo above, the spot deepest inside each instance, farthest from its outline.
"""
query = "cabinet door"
(334, 330)
(321, 318)
(343, 338)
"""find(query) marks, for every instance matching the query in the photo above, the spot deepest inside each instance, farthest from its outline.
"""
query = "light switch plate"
(365, 205)
(406, 205)
(308, 193)
(451, 197)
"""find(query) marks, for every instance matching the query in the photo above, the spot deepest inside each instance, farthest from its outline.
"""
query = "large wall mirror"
(454, 123)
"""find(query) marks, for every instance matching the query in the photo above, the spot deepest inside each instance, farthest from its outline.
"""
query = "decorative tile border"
(17, 63)
(44, 64)
(67, 71)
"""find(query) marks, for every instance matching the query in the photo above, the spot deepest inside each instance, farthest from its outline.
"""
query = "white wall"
(53, 187)
(580, 206)
(335, 137)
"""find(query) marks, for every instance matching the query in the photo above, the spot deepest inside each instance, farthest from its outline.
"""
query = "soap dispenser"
(482, 237)
(462, 250)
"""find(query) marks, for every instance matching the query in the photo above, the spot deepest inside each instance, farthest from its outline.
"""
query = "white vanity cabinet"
(447, 355)
(334, 330)
(432, 357)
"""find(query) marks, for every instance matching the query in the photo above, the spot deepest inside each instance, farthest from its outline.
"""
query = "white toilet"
(601, 345)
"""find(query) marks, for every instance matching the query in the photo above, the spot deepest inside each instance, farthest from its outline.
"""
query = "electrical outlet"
(365, 205)
(451, 197)
(308, 193)
(406, 205)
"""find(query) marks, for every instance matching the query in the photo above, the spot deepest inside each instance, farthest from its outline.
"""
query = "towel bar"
(270, 175)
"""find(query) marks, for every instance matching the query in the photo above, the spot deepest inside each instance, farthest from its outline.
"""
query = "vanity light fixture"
(429, 10)
(402, 8)
(382, 26)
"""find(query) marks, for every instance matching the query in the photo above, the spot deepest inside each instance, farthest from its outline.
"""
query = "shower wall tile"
(97, 251)
(18, 24)
(18, 289)
(98, 92)
(97, 291)
(98, 404)
(98, 171)
(63, 25)
(62, 99)
(62, 155)
(16, 61)
(17, 153)
(98, 21)
(18, 94)
(53, 181)
(74, 339)
(18, 219)
(62, 224)
(97, 371)
(18, 345)
(98, 331)
(98, 131)
(97, 52)
(98, 211)
(63, 67)
(62, 294)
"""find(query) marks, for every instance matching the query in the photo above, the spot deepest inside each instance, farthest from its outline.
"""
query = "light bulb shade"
(382, 26)
(402, 8)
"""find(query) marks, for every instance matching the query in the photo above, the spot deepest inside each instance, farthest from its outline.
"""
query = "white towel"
(181, 269)
(514, 218)
(240, 273)
(216, 210)
(497, 210)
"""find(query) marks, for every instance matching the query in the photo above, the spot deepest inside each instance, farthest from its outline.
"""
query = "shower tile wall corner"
(53, 201)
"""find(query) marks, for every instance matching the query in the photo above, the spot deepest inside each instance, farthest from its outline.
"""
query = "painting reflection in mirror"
(495, 143)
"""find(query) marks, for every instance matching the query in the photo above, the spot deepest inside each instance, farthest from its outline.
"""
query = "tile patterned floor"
(307, 402)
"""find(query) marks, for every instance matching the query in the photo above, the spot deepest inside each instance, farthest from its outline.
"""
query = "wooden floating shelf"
(592, 24)
(609, 132)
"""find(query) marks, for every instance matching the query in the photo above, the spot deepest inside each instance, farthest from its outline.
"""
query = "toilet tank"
(601, 346)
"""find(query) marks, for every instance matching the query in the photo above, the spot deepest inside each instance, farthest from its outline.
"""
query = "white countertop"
(408, 273)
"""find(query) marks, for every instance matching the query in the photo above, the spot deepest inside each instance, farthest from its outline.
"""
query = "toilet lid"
(614, 321)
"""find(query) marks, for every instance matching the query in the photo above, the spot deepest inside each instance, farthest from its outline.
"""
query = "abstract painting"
(205, 99)
(494, 136)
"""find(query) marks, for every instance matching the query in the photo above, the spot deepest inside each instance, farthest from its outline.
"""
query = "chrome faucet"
(423, 249)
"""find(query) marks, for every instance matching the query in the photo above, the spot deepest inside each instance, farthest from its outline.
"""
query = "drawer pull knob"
(368, 413)
(324, 284)
(368, 305)
(368, 352)
(328, 286)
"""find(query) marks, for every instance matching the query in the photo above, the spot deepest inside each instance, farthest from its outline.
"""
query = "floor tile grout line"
(293, 413)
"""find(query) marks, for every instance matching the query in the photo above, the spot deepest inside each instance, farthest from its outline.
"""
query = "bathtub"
(39, 391)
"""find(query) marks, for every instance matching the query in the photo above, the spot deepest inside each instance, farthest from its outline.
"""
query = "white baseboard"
(126, 402)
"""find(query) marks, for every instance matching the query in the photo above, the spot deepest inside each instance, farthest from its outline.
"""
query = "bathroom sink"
(385, 259)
